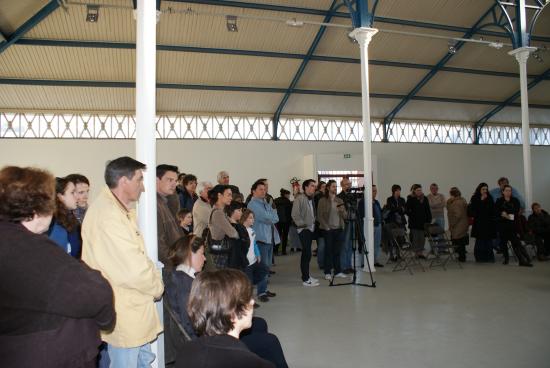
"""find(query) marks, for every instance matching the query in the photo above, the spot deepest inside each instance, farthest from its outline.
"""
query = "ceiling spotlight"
(295, 23)
(92, 13)
(232, 23)
(452, 47)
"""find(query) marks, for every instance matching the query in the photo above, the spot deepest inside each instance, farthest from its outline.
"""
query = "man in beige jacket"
(112, 244)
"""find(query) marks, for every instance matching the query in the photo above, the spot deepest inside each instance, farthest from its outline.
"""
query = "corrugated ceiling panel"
(13, 13)
(28, 98)
(477, 56)
(463, 13)
(347, 77)
(113, 24)
(388, 46)
(309, 105)
(39, 62)
(468, 86)
(313, 4)
(216, 102)
(513, 115)
(540, 94)
(542, 28)
(441, 111)
(234, 70)
(211, 31)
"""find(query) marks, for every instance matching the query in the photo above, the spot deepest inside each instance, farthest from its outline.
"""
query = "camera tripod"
(356, 236)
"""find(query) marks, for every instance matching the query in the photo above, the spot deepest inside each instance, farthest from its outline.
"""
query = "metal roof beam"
(29, 24)
(389, 117)
(478, 125)
(198, 87)
(302, 68)
(320, 12)
(255, 53)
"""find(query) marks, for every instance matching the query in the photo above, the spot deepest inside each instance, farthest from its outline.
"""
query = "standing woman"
(220, 227)
(507, 208)
(457, 212)
(65, 228)
(482, 210)
(52, 305)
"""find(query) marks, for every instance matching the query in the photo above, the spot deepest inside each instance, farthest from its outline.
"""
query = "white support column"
(146, 58)
(522, 54)
(363, 36)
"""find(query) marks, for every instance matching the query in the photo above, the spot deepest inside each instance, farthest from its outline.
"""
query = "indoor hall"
(457, 94)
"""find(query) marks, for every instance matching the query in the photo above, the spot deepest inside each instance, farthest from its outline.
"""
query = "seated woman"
(539, 225)
(187, 257)
(65, 228)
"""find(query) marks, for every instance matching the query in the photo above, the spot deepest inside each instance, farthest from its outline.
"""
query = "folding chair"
(406, 257)
(442, 248)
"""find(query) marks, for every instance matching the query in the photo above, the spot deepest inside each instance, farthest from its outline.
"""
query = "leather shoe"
(270, 294)
(379, 265)
(263, 298)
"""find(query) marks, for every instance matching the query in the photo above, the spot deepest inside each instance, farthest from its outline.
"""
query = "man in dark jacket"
(539, 225)
(418, 210)
(284, 210)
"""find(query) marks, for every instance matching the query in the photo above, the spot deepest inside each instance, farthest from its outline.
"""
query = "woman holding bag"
(219, 225)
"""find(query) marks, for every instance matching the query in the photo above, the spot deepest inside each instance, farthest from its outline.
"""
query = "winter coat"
(539, 224)
(396, 208)
(168, 230)
(323, 212)
(113, 244)
(457, 213)
(284, 210)
(419, 213)
(511, 207)
(51, 305)
(484, 215)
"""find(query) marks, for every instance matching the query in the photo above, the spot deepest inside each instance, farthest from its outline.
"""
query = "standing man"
(202, 209)
(82, 193)
(223, 179)
(496, 193)
(113, 245)
(265, 219)
(347, 251)
(331, 214)
(168, 230)
(437, 205)
(303, 214)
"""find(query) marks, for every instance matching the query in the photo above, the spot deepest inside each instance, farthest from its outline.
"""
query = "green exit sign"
(347, 155)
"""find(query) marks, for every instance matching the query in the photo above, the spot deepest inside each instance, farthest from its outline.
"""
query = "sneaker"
(341, 275)
(328, 276)
(310, 283)
(313, 279)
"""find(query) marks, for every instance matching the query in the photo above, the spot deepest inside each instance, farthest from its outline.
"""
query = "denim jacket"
(265, 218)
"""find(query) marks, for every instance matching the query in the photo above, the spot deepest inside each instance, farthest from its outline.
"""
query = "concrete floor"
(485, 315)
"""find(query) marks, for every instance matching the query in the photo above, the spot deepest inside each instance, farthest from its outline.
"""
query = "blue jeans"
(139, 357)
(320, 252)
(257, 274)
(266, 252)
(346, 251)
(440, 221)
(377, 241)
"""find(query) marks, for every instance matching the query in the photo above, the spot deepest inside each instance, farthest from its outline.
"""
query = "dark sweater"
(51, 305)
(218, 351)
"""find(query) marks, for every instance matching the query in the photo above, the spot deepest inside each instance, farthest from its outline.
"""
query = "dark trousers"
(543, 244)
(306, 236)
(519, 250)
(283, 229)
(460, 245)
(483, 250)
(333, 243)
(264, 344)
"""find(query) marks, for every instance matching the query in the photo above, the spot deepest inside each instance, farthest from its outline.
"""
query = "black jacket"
(396, 209)
(539, 224)
(284, 210)
(484, 214)
(51, 305)
(239, 249)
(218, 351)
(511, 207)
(419, 213)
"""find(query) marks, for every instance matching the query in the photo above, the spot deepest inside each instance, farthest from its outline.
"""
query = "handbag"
(222, 246)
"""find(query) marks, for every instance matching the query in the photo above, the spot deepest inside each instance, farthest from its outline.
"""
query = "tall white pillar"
(146, 48)
(522, 54)
(363, 36)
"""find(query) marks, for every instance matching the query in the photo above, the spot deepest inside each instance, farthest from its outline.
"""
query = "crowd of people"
(80, 271)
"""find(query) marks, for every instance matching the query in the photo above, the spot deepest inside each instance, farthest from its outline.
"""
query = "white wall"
(462, 165)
